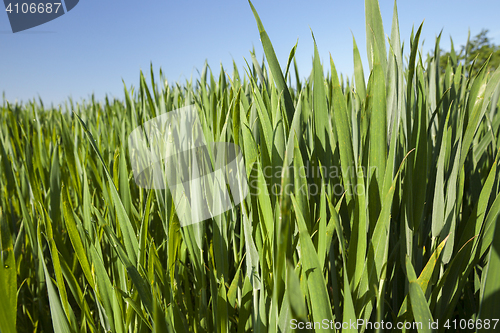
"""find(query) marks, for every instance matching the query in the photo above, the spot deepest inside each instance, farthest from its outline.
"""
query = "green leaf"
(320, 111)
(344, 132)
(425, 276)
(421, 311)
(490, 288)
(75, 238)
(274, 66)
(295, 296)
(358, 72)
(129, 235)
(375, 35)
(321, 308)
(59, 321)
(8, 279)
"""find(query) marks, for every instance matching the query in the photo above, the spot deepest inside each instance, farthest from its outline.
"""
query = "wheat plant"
(373, 200)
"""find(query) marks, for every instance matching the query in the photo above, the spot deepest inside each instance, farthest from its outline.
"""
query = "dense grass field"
(370, 201)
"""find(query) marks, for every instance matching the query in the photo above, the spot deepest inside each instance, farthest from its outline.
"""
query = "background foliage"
(475, 54)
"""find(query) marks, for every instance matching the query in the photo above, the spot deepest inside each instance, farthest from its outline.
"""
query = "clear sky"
(99, 43)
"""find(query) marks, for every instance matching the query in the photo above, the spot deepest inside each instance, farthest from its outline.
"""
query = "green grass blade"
(359, 75)
(59, 320)
(8, 279)
(490, 287)
(320, 111)
(129, 235)
(421, 311)
(274, 66)
(75, 238)
(375, 35)
(321, 308)
(343, 131)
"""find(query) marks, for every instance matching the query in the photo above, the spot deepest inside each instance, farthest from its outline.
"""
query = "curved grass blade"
(129, 236)
(274, 66)
(419, 306)
(321, 308)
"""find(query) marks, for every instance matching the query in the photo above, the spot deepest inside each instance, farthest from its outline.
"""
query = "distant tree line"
(474, 54)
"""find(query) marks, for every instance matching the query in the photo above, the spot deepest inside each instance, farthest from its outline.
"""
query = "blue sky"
(100, 42)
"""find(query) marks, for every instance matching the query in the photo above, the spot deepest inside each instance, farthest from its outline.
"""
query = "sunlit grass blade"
(274, 66)
(375, 35)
